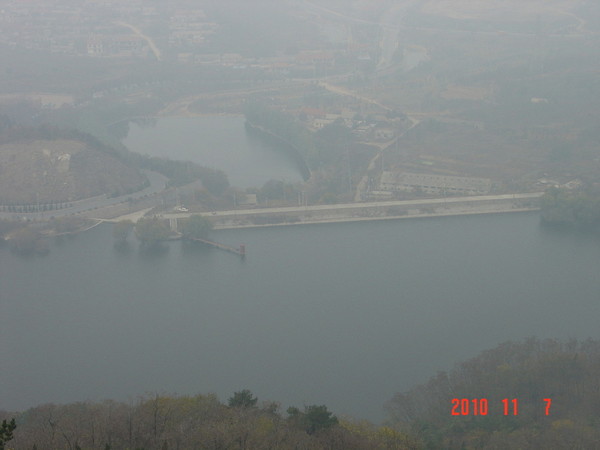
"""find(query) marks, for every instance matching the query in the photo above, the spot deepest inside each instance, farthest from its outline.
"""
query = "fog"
(292, 105)
(340, 314)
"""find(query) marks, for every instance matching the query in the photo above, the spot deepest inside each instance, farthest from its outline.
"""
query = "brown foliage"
(566, 372)
(198, 422)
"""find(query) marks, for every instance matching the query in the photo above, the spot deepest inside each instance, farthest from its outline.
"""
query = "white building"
(434, 183)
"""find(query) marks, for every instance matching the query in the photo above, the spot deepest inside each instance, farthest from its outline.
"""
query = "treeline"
(331, 156)
(284, 127)
(580, 209)
(199, 422)
(512, 381)
(324, 147)
(29, 239)
(271, 138)
(42, 207)
(181, 173)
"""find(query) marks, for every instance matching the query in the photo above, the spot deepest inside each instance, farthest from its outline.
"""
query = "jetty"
(241, 251)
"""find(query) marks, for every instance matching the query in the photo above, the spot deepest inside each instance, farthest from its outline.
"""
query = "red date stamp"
(480, 406)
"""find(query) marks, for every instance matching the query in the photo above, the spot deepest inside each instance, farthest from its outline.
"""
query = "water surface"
(219, 142)
(337, 314)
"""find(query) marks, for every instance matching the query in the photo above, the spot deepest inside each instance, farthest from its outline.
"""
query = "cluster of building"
(105, 28)
(379, 129)
(307, 63)
(433, 184)
(91, 27)
(120, 45)
(190, 27)
(74, 27)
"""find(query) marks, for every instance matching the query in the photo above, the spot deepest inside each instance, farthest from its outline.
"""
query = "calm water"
(340, 314)
(219, 142)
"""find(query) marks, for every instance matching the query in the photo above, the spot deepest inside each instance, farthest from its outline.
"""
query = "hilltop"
(41, 166)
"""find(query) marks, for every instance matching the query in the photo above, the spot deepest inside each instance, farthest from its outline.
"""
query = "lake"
(219, 142)
(338, 314)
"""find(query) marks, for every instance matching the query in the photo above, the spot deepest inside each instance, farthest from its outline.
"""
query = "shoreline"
(356, 212)
(287, 146)
(367, 219)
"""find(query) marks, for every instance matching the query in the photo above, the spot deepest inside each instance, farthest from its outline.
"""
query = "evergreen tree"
(242, 399)
(6, 432)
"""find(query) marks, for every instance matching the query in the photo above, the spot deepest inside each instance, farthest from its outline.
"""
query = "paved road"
(148, 39)
(342, 206)
(390, 23)
(157, 184)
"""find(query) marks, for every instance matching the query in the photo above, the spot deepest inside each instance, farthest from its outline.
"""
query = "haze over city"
(299, 224)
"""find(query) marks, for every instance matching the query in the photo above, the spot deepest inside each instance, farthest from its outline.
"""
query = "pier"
(241, 251)
(173, 225)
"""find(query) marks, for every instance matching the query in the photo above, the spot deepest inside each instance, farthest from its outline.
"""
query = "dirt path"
(343, 91)
(181, 106)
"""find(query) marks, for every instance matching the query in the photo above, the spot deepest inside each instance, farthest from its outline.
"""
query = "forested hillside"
(578, 210)
(538, 393)
(531, 394)
(196, 422)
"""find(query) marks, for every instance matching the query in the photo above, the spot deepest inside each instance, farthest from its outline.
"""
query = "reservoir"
(218, 142)
(344, 315)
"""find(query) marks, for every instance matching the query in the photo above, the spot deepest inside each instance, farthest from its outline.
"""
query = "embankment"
(353, 212)
(282, 144)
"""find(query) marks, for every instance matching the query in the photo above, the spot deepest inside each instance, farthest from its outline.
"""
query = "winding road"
(148, 39)
(157, 184)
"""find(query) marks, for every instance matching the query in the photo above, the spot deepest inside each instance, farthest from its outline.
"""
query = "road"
(364, 181)
(343, 91)
(391, 24)
(350, 206)
(180, 107)
(148, 39)
(157, 184)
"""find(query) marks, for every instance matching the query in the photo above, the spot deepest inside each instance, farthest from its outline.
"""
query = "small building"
(320, 123)
(380, 195)
(247, 200)
(573, 184)
(384, 134)
(434, 183)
